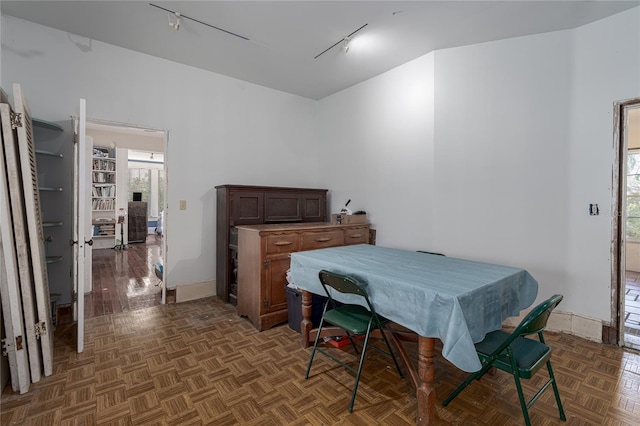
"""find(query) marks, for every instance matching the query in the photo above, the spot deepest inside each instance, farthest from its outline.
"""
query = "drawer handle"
(282, 243)
(323, 240)
(356, 235)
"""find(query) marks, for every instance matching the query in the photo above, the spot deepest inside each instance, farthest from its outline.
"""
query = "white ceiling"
(285, 36)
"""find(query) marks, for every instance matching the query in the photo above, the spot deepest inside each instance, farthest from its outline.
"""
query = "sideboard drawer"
(263, 260)
(356, 236)
(282, 243)
(318, 240)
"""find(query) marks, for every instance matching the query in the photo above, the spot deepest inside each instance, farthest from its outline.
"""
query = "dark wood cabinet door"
(314, 207)
(247, 208)
(282, 207)
(275, 294)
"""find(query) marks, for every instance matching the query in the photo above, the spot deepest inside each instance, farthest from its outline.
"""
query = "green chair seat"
(351, 318)
(355, 320)
(529, 354)
(519, 356)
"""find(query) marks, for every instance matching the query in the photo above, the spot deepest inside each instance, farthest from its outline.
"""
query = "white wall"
(377, 150)
(501, 157)
(491, 151)
(606, 69)
(502, 125)
(221, 130)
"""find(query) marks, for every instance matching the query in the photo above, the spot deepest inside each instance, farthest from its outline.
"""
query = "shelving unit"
(48, 224)
(50, 181)
(103, 197)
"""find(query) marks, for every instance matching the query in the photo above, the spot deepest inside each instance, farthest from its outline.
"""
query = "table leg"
(425, 394)
(305, 325)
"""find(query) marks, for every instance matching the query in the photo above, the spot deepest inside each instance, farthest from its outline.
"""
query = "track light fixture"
(344, 41)
(174, 25)
(345, 44)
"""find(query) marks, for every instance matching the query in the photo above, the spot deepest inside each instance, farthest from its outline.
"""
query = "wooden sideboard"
(263, 260)
(252, 205)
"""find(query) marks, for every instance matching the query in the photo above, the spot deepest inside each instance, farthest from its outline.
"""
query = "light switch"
(183, 204)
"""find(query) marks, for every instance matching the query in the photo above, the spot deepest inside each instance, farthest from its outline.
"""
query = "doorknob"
(90, 242)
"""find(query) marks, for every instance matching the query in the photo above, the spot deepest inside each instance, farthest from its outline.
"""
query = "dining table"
(457, 301)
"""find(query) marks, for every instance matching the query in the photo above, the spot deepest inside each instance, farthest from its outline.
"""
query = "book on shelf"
(104, 165)
(103, 204)
(104, 191)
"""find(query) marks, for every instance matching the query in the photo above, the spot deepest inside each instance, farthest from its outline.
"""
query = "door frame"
(614, 334)
(166, 219)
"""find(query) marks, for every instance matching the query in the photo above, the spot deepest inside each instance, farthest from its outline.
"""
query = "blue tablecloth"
(455, 300)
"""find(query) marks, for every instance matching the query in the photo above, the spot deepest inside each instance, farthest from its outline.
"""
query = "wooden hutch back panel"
(255, 205)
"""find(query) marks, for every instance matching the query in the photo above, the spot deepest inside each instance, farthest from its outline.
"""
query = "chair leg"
(523, 402)
(313, 352)
(353, 344)
(355, 386)
(556, 392)
(473, 376)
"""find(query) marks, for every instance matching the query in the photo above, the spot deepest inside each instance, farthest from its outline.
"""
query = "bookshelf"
(103, 197)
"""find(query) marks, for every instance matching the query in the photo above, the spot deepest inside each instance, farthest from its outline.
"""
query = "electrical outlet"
(183, 204)
(594, 210)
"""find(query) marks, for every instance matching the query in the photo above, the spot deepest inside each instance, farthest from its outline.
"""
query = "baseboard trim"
(195, 291)
(570, 323)
(609, 335)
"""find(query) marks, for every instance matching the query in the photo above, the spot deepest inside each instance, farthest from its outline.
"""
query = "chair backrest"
(343, 284)
(536, 320)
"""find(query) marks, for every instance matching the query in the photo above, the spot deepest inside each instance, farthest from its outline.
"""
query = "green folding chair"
(355, 320)
(519, 355)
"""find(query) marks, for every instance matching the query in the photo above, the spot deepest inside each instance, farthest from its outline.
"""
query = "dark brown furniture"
(263, 261)
(137, 217)
(254, 205)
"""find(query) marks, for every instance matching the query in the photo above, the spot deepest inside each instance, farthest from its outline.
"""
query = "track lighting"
(345, 44)
(174, 25)
(344, 41)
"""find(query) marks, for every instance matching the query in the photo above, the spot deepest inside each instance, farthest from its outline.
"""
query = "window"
(149, 182)
(140, 181)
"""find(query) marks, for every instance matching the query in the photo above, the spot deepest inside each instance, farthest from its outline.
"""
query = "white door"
(14, 344)
(81, 238)
(31, 194)
(14, 179)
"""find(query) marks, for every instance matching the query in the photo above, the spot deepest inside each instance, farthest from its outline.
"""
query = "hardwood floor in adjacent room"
(125, 280)
(197, 363)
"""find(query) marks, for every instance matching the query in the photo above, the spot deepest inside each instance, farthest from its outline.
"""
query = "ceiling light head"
(345, 44)
(174, 25)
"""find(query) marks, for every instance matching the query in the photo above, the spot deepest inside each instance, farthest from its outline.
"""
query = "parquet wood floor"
(198, 363)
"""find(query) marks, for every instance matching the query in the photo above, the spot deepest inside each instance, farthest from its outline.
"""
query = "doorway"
(130, 233)
(627, 223)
